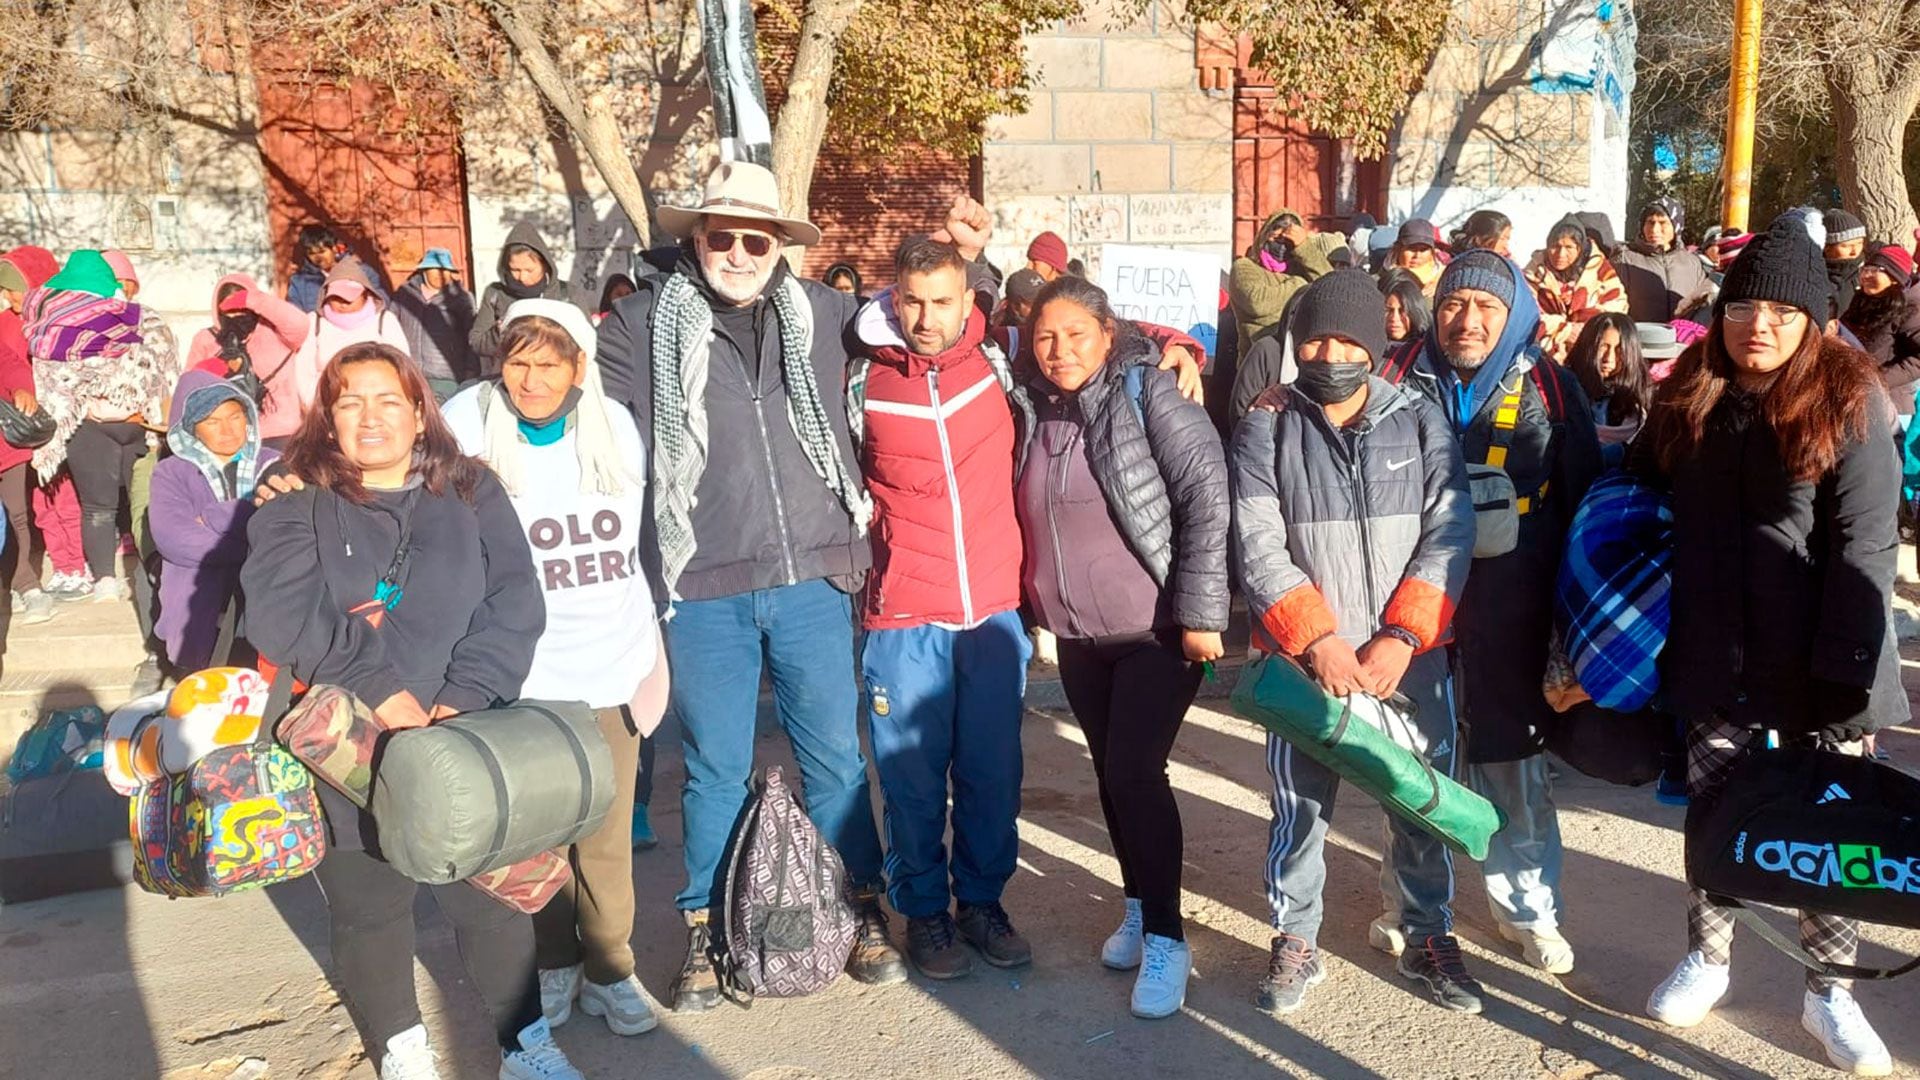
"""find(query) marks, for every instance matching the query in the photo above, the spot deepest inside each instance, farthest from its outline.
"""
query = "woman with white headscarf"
(576, 473)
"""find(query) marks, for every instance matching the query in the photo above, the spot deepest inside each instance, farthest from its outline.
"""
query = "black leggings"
(1130, 694)
(18, 563)
(100, 457)
(371, 910)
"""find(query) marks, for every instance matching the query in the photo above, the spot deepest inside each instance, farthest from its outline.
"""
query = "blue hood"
(1519, 340)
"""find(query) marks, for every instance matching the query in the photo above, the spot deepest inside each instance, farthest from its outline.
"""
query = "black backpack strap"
(1752, 921)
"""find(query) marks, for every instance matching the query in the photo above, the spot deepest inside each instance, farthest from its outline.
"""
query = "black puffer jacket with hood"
(485, 337)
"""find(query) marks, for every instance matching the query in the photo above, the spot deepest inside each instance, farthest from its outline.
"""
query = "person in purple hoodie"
(202, 498)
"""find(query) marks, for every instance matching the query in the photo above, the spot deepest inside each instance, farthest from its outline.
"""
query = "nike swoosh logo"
(1396, 466)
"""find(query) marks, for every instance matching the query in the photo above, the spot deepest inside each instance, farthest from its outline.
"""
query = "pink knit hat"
(122, 266)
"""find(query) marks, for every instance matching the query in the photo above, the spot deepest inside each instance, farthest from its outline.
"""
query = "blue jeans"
(805, 633)
(946, 704)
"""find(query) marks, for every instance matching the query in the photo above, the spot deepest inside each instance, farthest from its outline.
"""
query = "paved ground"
(122, 984)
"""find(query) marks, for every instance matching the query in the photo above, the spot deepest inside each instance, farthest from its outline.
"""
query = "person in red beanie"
(1047, 256)
(1886, 319)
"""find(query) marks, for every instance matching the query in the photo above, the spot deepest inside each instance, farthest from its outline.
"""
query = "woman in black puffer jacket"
(1122, 497)
(1775, 442)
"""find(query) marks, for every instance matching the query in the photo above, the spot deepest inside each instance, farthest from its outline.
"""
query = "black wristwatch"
(1401, 633)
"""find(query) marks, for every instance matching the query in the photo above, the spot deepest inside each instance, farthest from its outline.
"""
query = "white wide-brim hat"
(739, 189)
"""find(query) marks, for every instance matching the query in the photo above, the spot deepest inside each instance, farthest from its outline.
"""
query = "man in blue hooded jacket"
(1526, 431)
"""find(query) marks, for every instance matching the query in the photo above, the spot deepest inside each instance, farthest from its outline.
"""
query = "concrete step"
(81, 636)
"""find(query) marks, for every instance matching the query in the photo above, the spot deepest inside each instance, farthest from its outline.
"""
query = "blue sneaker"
(643, 837)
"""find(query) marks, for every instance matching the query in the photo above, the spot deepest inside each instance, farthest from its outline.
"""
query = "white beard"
(732, 289)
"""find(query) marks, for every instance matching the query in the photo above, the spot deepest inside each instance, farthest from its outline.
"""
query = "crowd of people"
(885, 503)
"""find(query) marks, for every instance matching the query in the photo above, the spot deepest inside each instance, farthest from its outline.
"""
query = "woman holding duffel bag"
(400, 573)
(1776, 444)
(576, 473)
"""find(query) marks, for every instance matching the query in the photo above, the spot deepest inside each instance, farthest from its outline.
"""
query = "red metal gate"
(1279, 162)
(386, 173)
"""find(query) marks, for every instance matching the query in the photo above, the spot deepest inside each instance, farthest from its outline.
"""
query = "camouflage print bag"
(789, 928)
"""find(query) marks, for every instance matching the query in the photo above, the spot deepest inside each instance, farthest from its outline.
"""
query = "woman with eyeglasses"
(1774, 440)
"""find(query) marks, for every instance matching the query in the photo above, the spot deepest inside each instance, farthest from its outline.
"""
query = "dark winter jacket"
(1165, 482)
(1349, 530)
(763, 517)
(1506, 611)
(1660, 284)
(303, 288)
(1779, 585)
(1888, 329)
(438, 329)
(484, 338)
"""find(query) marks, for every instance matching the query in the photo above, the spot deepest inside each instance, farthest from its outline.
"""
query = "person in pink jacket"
(252, 330)
(351, 312)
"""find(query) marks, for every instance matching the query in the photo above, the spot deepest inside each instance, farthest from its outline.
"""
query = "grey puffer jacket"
(1165, 481)
(1350, 530)
(1660, 284)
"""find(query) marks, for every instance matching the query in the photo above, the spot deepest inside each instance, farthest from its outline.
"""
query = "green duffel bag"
(1277, 694)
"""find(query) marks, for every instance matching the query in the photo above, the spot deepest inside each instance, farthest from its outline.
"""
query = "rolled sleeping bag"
(1342, 734)
(484, 790)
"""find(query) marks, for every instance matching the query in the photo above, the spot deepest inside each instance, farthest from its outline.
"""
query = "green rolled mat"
(1277, 694)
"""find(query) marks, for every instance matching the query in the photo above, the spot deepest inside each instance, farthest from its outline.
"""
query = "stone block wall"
(1118, 143)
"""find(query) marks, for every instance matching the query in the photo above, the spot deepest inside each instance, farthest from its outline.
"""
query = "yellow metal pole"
(1743, 95)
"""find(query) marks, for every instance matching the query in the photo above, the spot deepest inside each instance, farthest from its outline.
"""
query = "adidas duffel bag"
(483, 790)
(1277, 694)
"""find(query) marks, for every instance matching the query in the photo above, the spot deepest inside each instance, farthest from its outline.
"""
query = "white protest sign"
(1177, 289)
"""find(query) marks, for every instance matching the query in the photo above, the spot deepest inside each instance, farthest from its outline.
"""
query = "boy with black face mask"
(1355, 528)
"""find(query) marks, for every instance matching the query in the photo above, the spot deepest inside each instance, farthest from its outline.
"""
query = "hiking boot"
(874, 959)
(558, 988)
(1541, 946)
(1291, 970)
(1123, 947)
(933, 944)
(1436, 961)
(408, 1057)
(1685, 997)
(988, 929)
(539, 1057)
(1386, 934)
(697, 987)
(1835, 1019)
(1161, 987)
(623, 1005)
(34, 606)
(643, 837)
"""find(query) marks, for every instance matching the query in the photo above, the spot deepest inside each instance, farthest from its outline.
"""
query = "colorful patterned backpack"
(242, 817)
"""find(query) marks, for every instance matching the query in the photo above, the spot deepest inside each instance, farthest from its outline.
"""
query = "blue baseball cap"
(437, 259)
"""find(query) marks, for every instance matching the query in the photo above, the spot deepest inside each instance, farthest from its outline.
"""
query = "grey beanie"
(1477, 269)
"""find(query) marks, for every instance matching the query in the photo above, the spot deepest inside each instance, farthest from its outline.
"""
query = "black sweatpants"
(370, 906)
(1130, 694)
(100, 457)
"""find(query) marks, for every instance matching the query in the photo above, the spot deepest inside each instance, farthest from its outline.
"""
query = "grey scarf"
(682, 342)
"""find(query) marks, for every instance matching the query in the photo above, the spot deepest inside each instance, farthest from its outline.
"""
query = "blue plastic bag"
(68, 740)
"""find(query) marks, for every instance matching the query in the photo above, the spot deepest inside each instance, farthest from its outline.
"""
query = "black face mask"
(1279, 249)
(1327, 383)
(237, 325)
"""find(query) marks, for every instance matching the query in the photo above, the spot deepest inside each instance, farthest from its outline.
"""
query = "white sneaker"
(1685, 997)
(539, 1057)
(111, 590)
(1386, 934)
(34, 606)
(408, 1057)
(623, 1005)
(1541, 946)
(1122, 950)
(1835, 1019)
(1161, 987)
(70, 587)
(558, 988)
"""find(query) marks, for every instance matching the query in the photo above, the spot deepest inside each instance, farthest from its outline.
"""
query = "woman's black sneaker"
(1436, 961)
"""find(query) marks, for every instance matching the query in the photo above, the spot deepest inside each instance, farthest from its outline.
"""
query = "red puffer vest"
(938, 456)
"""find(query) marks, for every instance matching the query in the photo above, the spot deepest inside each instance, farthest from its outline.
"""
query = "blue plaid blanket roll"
(1614, 590)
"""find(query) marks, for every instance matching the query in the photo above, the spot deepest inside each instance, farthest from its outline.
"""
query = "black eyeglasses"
(757, 244)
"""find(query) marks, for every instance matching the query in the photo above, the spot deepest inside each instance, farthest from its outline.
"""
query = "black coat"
(1165, 480)
(1888, 328)
(1778, 583)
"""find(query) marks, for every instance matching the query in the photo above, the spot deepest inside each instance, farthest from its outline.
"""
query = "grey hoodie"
(485, 336)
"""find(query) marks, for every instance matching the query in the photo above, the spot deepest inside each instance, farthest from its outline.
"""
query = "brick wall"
(864, 207)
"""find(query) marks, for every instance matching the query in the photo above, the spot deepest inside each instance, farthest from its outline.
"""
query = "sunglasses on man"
(757, 244)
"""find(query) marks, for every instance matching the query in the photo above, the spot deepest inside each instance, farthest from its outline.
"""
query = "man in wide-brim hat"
(735, 369)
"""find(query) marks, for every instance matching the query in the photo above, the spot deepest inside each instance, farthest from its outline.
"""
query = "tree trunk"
(591, 122)
(802, 124)
(1870, 121)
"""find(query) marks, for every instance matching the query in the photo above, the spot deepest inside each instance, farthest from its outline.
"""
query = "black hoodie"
(485, 337)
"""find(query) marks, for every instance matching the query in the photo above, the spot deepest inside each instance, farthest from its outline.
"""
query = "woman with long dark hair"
(1122, 501)
(1490, 230)
(1774, 441)
(1606, 358)
(400, 573)
(1409, 315)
